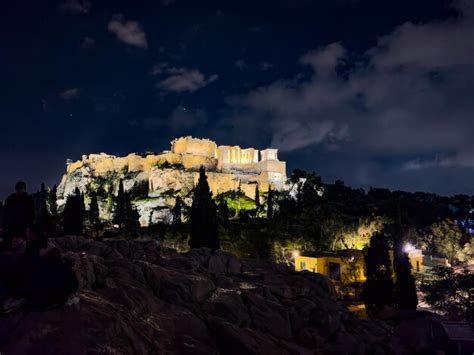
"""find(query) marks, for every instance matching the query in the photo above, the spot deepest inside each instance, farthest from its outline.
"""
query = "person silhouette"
(18, 215)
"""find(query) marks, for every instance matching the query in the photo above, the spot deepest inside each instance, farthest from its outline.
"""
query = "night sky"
(376, 93)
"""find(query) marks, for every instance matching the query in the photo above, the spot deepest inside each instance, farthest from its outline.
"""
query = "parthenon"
(232, 158)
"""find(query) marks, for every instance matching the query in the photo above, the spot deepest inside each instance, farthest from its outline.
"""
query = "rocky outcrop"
(136, 298)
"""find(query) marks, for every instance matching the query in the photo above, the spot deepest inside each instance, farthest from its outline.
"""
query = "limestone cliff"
(155, 180)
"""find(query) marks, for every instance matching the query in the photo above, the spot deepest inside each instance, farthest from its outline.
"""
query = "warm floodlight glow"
(408, 247)
(295, 253)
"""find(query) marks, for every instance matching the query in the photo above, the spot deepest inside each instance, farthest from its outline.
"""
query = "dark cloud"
(70, 94)
(266, 66)
(179, 120)
(87, 43)
(240, 64)
(75, 7)
(129, 32)
(167, 2)
(181, 79)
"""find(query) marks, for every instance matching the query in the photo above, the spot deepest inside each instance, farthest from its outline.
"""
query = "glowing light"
(295, 253)
(408, 247)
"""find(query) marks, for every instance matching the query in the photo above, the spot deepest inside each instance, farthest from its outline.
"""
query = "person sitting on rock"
(11, 280)
(18, 215)
(51, 283)
(37, 241)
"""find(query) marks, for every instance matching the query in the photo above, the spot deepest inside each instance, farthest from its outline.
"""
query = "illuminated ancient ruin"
(174, 173)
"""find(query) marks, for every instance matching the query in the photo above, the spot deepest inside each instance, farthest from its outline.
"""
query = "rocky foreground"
(136, 298)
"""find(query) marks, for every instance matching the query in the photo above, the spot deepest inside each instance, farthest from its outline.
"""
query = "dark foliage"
(405, 288)
(177, 210)
(257, 198)
(378, 288)
(94, 218)
(131, 221)
(270, 203)
(203, 216)
(74, 214)
(119, 210)
(223, 211)
(42, 212)
(451, 293)
(52, 201)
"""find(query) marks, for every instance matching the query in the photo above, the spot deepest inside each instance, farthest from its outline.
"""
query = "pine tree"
(74, 213)
(203, 217)
(378, 288)
(110, 199)
(52, 201)
(257, 198)
(405, 288)
(43, 212)
(270, 203)
(119, 212)
(131, 221)
(94, 218)
(177, 210)
(150, 219)
(223, 210)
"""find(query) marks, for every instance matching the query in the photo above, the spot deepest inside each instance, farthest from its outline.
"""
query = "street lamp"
(408, 247)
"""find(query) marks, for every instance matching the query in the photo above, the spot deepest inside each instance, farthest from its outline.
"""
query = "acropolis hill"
(155, 180)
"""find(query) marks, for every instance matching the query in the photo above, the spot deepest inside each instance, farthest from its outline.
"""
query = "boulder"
(222, 263)
(268, 316)
(228, 306)
(176, 287)
(234, 340)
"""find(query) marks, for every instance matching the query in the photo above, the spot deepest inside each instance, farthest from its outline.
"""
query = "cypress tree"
(43, 212)
(94, 218)
(119, 212)
(177, 210)
(150, 219)
(257, 198)
(405, 288)
(52, 201)
(110, 199)
(270, 203)
(203, 217)
(131, 221)
(378, 288)
(223, 210)
(74, 213)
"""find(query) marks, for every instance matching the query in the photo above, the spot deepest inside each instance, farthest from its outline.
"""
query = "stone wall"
(194, 146)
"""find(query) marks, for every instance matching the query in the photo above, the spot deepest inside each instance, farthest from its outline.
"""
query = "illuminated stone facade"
(175, 173)
(244, 165)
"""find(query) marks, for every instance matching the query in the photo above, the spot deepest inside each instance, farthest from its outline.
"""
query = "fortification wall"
(275, 180)
(194, 146)
(73, 166)
(194, 162)
(272, 165)
(100, 164)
